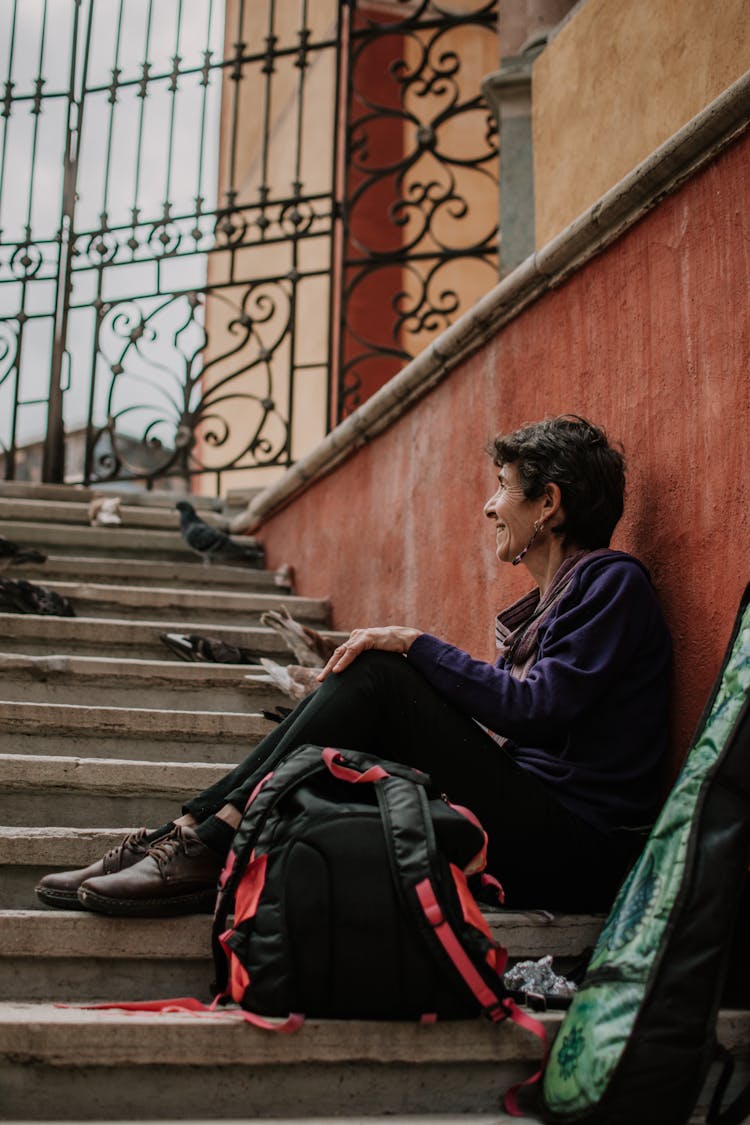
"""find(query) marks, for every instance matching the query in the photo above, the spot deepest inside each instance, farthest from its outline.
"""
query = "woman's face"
(513, 514)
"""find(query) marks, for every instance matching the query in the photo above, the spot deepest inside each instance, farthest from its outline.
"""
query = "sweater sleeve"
(589, 638)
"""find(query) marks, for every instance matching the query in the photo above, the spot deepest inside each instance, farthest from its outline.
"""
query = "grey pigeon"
(11, 554)
(277, 715)
(294, 680)
(206, 650)
(311, 649)
(25, 597)
(212, 544)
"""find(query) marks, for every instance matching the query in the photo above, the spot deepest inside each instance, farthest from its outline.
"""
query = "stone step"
(145, 734)
(104, 636)
(190, 573)
(78, 1064)
(165, 603)
(85, 957)
(28, 853)
(108, 681)
(68, 512)
(112, 542)
(99, 792)
(86, 1065)
(79, 494)
(393, 1119)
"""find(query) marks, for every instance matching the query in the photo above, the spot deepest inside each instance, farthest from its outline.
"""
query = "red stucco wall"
(652, 340)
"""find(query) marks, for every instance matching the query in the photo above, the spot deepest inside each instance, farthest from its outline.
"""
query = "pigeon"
(212, 544)
(295, 681)
(311, 649)
(11, 554)
(24, 597)
(284, 578)
(205, 650)
(277, 715)
(104, 511)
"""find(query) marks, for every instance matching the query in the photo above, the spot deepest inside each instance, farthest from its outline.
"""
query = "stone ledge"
(61, 1037)
(111, 631)
(393, 1119)
(668, 167)
(73, 934)
(93, 669)
(145, 598)
(80, 494)
(157, 572)
(21, 773)
(56, 847)
(106, 722)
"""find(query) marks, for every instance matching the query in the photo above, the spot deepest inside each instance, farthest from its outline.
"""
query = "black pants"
(543, 855)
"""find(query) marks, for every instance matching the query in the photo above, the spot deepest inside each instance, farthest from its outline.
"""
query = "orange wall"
(652, 340)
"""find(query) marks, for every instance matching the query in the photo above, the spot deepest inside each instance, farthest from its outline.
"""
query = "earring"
(538, 529)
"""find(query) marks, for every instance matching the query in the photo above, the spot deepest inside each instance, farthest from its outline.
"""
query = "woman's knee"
(372, 669)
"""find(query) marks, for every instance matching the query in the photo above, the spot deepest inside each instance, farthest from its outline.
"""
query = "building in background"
(225, 228)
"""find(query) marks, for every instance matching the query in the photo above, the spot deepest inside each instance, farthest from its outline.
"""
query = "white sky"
(129, 181)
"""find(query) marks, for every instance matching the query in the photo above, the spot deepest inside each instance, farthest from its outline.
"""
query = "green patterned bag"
(637, 1042)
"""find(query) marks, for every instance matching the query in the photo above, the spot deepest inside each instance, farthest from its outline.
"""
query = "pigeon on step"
(292, 679)
(11, 554)
(205, 650)
(104, 511)
(212, 544)
(25, 597)
(277, 715)
(311, 649)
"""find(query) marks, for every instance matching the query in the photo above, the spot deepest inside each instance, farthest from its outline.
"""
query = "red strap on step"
(528, 1023)
(188, 1005)
(490, 1003)
(333, 758)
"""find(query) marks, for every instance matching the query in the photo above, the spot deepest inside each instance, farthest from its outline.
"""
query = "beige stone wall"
(616, 82)
(239, 412)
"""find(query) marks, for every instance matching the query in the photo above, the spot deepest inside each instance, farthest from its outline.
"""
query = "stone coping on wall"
(663, 172)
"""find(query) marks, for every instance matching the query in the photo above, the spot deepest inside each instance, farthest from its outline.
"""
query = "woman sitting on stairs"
(556, 746)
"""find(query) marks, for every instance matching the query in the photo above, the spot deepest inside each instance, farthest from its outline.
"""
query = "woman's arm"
(607, 620)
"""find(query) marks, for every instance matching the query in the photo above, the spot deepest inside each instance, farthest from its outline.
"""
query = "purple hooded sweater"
(590, 718)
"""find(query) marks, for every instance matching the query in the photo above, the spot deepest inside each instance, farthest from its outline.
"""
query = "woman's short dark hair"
(577, 456)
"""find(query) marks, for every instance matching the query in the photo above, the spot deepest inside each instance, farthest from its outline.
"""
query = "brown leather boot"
(179, 875)
(61, 889)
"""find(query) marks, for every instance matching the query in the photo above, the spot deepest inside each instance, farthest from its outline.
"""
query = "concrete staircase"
(102, 731)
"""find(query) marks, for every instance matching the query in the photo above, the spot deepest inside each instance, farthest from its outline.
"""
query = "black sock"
(157, 833)
(216, 834)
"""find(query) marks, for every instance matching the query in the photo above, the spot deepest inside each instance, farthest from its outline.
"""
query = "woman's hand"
(389, 638)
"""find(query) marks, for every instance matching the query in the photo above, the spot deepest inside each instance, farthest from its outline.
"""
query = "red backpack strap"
(188, 1005)
(528, 1023)
(420, 874)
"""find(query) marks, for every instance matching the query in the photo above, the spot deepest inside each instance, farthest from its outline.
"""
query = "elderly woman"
(556, 745)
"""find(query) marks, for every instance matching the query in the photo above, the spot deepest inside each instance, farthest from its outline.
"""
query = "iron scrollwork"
(422, 154)
(202, 309)
(170, 399)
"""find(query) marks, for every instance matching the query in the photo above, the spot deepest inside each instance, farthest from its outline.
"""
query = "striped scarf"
(517, 627)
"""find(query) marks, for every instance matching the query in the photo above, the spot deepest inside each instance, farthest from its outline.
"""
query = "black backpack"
(347, 880)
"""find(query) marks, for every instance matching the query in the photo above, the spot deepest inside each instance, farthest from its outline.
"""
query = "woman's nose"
(489, 507)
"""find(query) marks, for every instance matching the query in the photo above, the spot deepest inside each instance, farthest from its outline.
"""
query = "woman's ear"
(552, 500)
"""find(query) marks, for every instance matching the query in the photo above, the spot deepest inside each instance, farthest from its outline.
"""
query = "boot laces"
(133, 841)
(164, 850)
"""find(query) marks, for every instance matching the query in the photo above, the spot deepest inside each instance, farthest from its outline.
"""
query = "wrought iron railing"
(223, 226)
